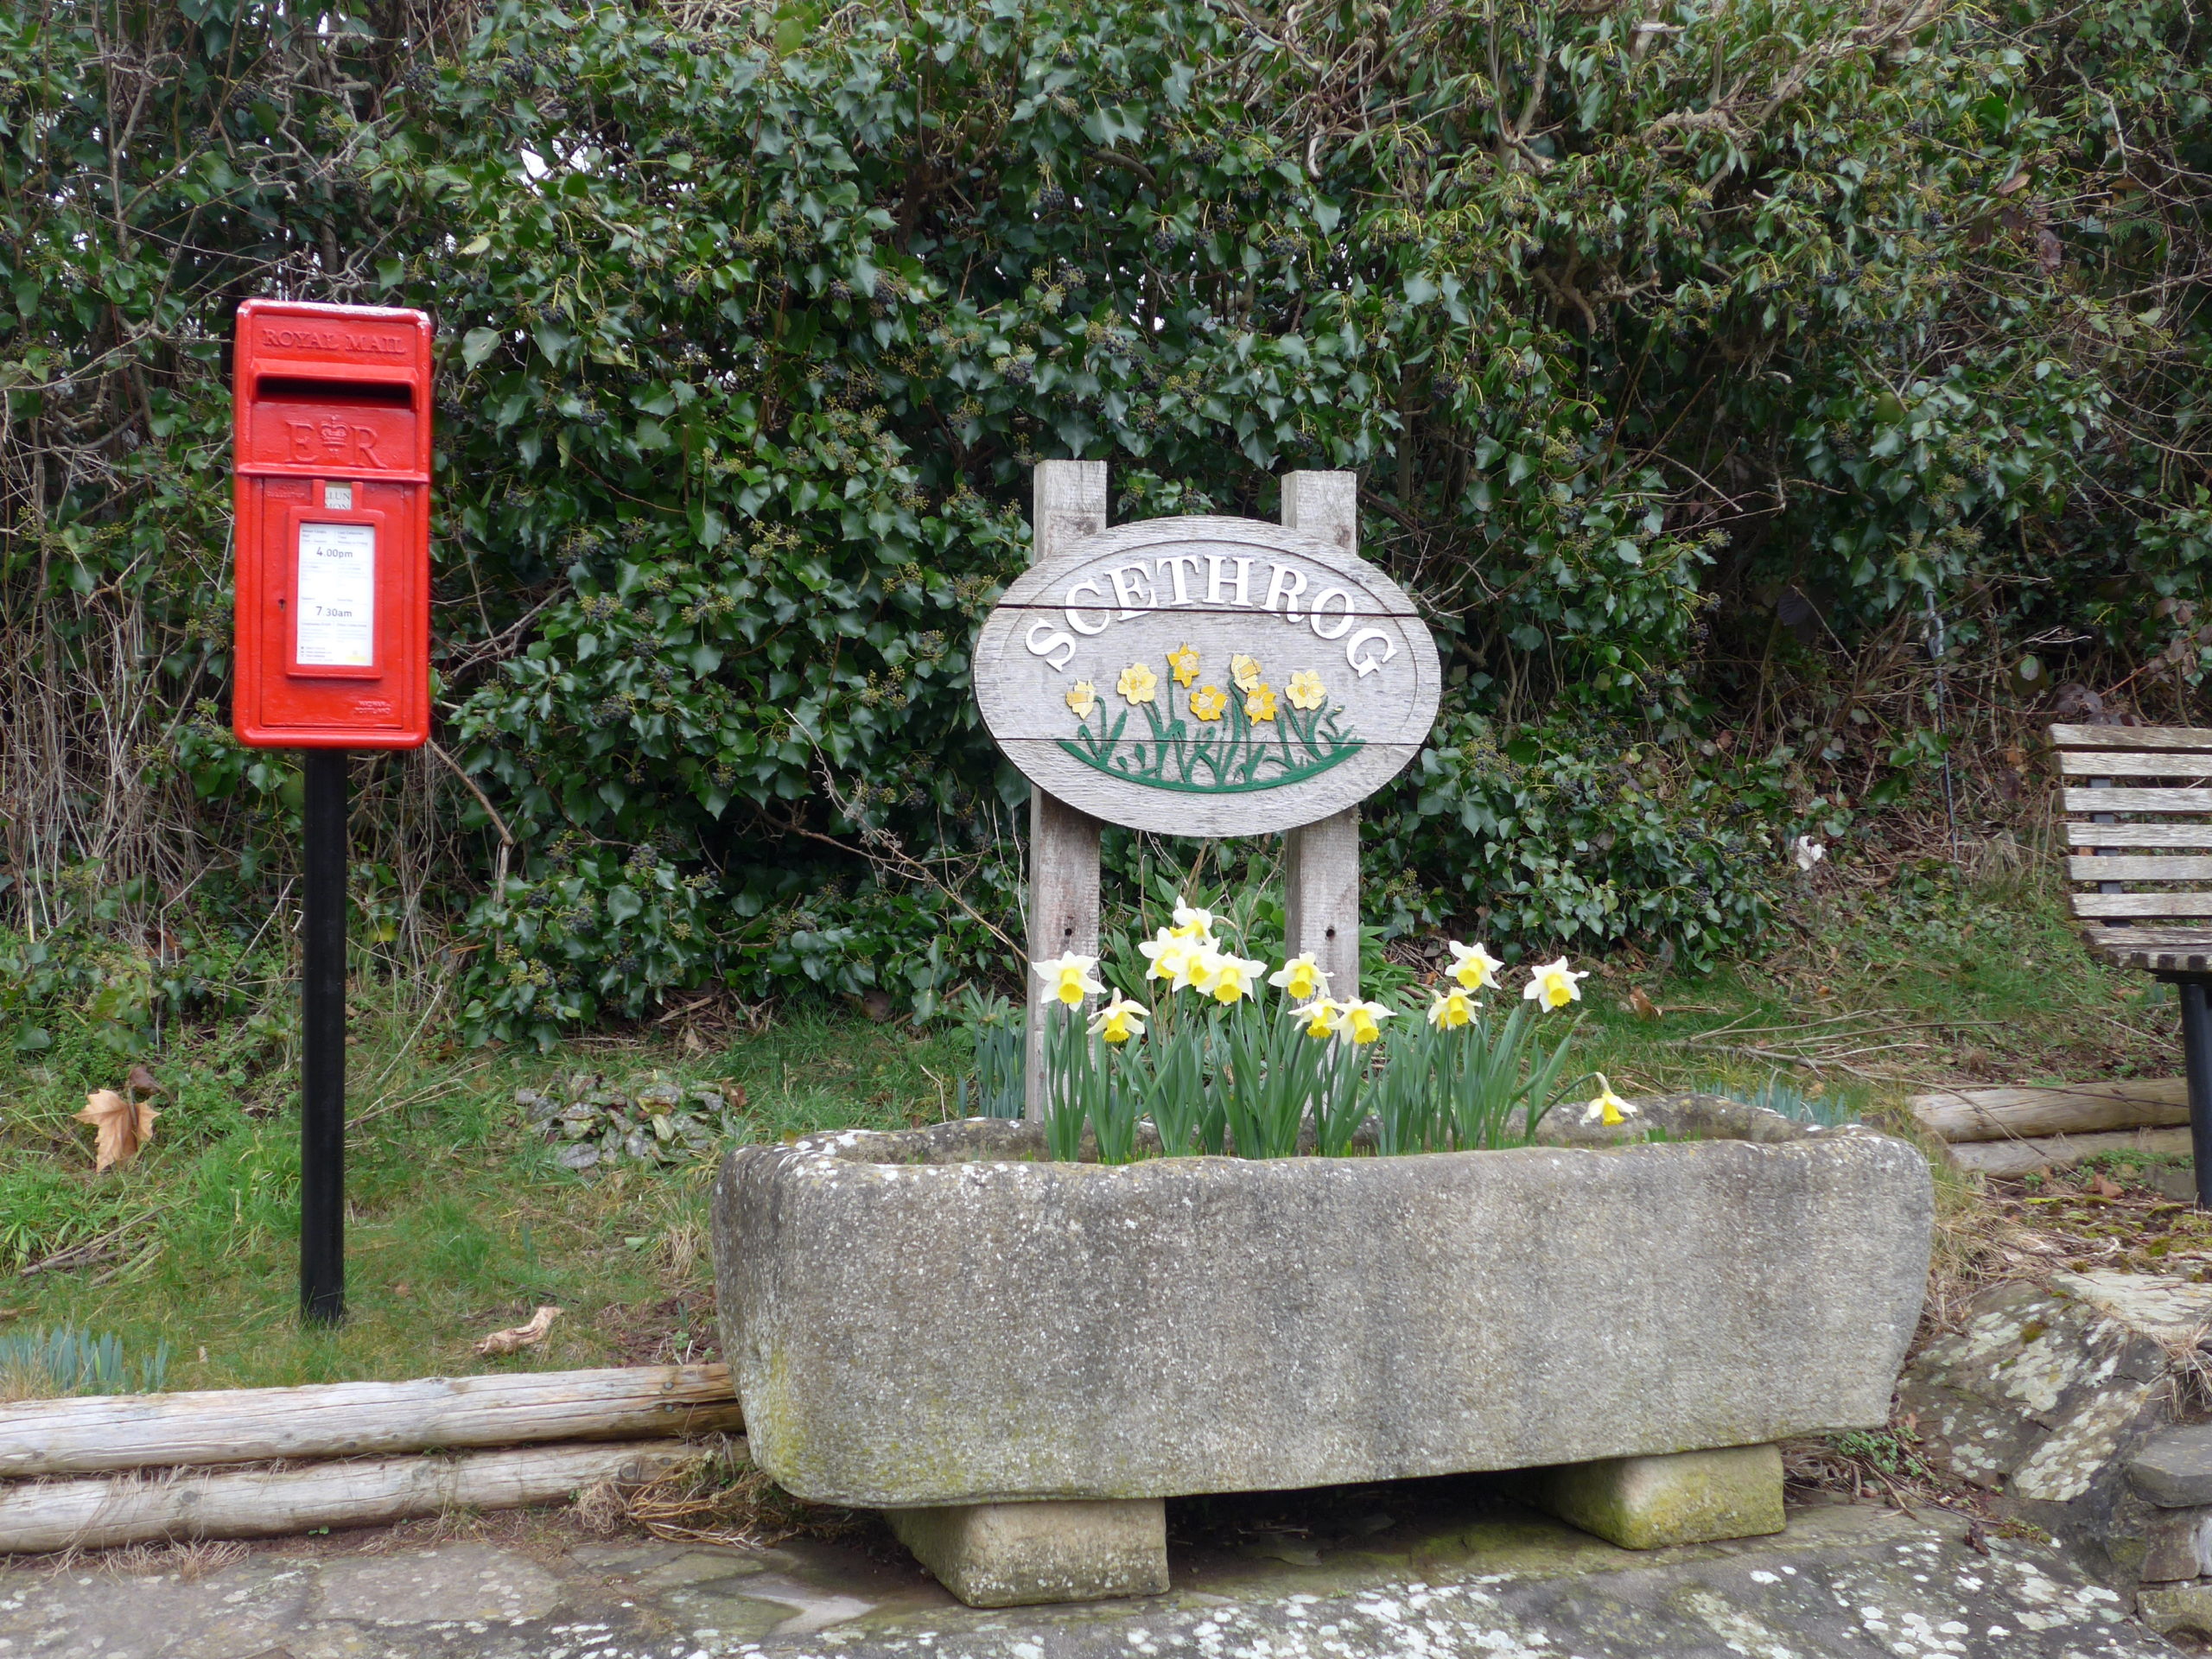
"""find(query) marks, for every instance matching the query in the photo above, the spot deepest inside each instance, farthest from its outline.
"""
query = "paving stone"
(2173, 1468)
(456, 1583)
(1453, 1576)
(2178, 1609)
(2046, 1394)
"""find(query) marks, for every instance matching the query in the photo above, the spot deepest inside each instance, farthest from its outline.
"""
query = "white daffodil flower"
(1069, 978)
(1321, 1017)
(1808, 853)
(1473, 965)
(1119, 1021)
(1452, 1009)
(1191, 923)
(1362, 1021)
(1173, 959)
(1227, 978)
(1609, 1108)
(1553, 985)
(1300, 977)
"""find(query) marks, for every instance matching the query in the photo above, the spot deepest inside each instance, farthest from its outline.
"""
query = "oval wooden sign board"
(1207, 676)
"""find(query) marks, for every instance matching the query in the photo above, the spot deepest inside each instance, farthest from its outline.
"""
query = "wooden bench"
(2139, 836)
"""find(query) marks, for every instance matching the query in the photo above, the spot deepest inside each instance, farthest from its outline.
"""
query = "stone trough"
(1020, 1359)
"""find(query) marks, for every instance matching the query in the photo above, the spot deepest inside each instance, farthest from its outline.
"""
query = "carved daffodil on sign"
(1203, 738)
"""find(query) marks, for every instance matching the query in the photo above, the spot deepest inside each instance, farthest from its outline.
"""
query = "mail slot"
(331, 447)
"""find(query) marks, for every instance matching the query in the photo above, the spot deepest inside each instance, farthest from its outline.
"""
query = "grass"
(461, 1223)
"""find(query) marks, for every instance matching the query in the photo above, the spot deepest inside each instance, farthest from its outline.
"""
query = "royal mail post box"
(331, 429)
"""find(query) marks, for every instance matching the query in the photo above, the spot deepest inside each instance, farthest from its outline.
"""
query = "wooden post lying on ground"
(2062, 1109)
(43, 1516)
(1070, 504)
(147, 1431)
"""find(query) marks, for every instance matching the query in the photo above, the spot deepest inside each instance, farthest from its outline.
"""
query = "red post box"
(332, 455)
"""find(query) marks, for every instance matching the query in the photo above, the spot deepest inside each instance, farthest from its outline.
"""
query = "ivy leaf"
(478, 343)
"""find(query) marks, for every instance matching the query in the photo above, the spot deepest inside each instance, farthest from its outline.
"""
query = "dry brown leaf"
(1644, 1007)
(520, 1336)
(124, 1128)
(143, 1081)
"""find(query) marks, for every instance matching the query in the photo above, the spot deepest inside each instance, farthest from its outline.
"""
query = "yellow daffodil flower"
(1473, 965)
(1226, 978)
(1083, 699)
(1172, 958)
(1119, 1021)
(1260, 702)
(1553, 985)
(1300, 977)
(1609, 1108)
(1191, 923)
(1137, 683)
(1245, 671)
(1183, 662)
(1306, 690)
(1320, 1015)
(1207, 703)
(1362, 1021)
(1070, 977)
(1452, 1010)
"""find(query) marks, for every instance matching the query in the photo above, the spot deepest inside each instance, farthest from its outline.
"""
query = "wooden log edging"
(37, 1516)
(341, 1419)
(2073, 1109)
(2064, 1151)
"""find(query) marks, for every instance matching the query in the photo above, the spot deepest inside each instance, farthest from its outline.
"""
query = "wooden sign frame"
(1321, 858)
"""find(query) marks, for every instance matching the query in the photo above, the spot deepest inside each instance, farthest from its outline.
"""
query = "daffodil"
(1260, 702)
(1069, 977)
(1137, 683)
(1208, 700)
(1452, 1010)
(1473, 965)
(1172, 959)
(1183, 662)
(1609, 1108)
(1245, 671)
(1301, 977)
(1553, 985)
(1362, 1021)
(1320, 1016)
(1119, 1021)
(1224, 977)
(1306, 690)
(1083, 699)
(1191, 923)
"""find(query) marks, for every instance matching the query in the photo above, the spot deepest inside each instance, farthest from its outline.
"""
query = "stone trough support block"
(1022, 1554)
(1685, 1497)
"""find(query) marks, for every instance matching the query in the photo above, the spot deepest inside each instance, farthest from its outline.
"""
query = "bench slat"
(2082, 762)
(2131, 737)
(2138, 800)
(2138, 835)
(2088, 867)
(2134, 938)
(2142, 904)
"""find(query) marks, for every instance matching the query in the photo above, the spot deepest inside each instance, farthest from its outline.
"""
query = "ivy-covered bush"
(1639, 327)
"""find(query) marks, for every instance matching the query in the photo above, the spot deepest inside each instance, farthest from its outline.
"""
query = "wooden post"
(1321, 859)
(1069, 505)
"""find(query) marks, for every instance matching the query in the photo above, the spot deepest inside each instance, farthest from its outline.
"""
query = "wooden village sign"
(1201, 677)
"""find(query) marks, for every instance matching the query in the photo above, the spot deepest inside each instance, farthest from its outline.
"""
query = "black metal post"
(2197, 1056)
(323, 1045)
